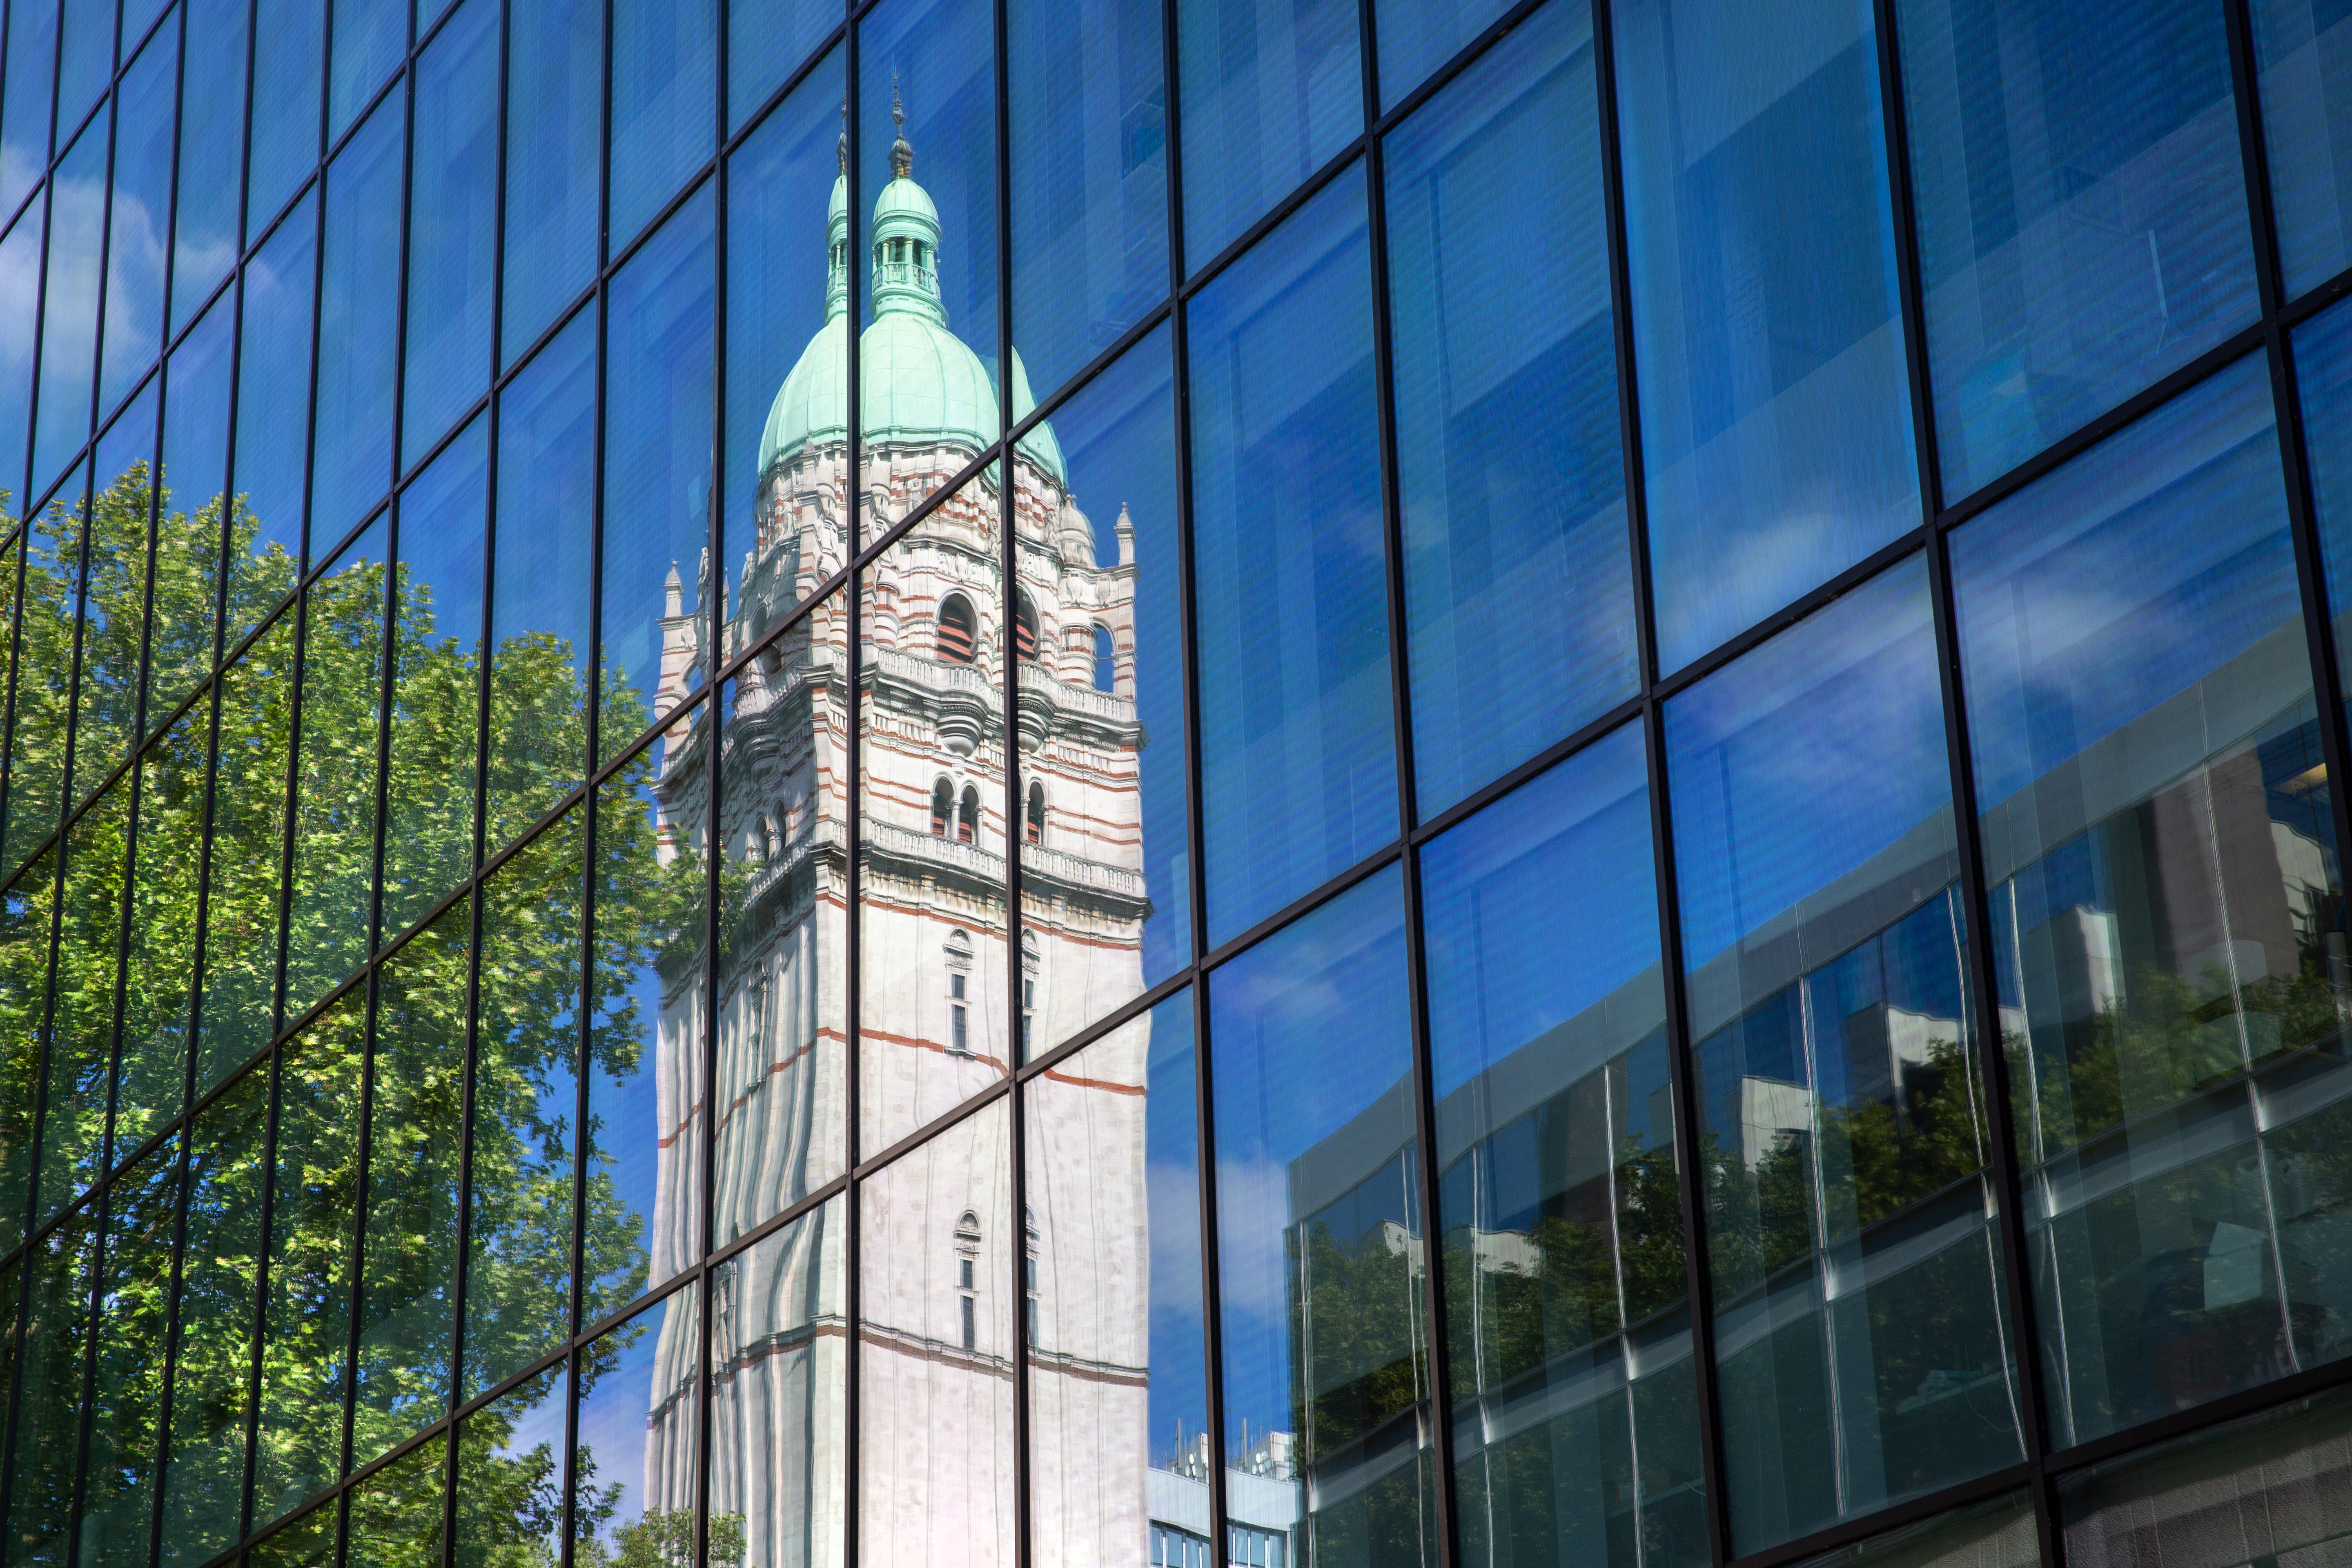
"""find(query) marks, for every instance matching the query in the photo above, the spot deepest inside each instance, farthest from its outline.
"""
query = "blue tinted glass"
(273, 399)
(196, 438)
(371, 39)
(665, 84)
(70, 305)
(20, 270)
(656, 474)
(359, 321)
(1566, 1264)
(1416, 36)
(1776, 424)
(1112, 646)
(85, 60)
(212, 151)
(2303, 49)
(452, 226)
(2081, 210)
(1857, 1289)
(541, 653)
(1319, 1209)
(25, 107)
(765, 43)
(1270, 94)
(555, 107)
(287, 84)
(1089, 132)
(647, 1363)
(1518, 588)
(138, 16)
(140, 217)
(2323, 372)
(1297, 765)
(2165, 897)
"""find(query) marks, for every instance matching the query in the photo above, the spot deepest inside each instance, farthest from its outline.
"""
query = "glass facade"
(1181, 783)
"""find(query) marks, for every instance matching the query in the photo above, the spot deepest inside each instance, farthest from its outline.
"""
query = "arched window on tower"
(1035, 830)
(1029, 963)
(957, 640)
(966, 1247)
(967, 818)
(959, 955)
(942, 808)
(1025, 626)
(1105, 660)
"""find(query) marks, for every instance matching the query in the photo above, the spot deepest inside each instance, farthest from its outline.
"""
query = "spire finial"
(841, 147)
(902, 155)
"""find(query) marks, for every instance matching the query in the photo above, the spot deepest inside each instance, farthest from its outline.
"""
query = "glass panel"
(114, 596)
(70, 305)
(1118, 1399)
(1089, 129)
(2303, 51)
(935, 1362)
(335, 783)
(1995, 1535)
(417, 1139)
(307, 1304)
(636, 1426)
(1319, 1242)
(51, 1368)
(526, 1108)
(2081, 210)
(204, 1478)
(1568, 1316)
(929, 350)
(359, 318)
(452, 226)
(510, 1477)
(555, 112)
(777, 1372)
(2166, 901)
(541, 649)
(1106, 870)
(81, 1019)
(2323, 372)
(657, 373)
(212, 152)
(1270, 94)
(428, 842)
(1857, 1276)
(159, 975)
(193, 498)
(787, 350)
(1417, 38)
(526, 1084)
(1518, 586)
(20, 263)
(931, 888)
(140, 215)
(248, 825)
(764, 45)
(370, 39)
(273, 401)
(286, 83)
(134, 1293)
(1298, 764)
(783, 1122)
(665, 92)
(51, 597)
(32, 79)
(1776, 416)
(396, 1512)
(646, 1065)
(27, 914)
(85, 60)
(308, 1542)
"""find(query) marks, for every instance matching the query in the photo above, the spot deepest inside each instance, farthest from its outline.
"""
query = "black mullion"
(852, 944)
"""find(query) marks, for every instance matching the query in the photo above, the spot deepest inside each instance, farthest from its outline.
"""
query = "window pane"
(20, 266)
(2303, 51)
(1270, 95)
(1518, 588)
(51, 597)
(370, 41)
(927, 287)
(646, 1049)
(308, 1542)
(359, 310)
(50, 1367)
(2165, 884)
(526, 1087)
(1558, 1199)
(935, 1359)
(555, 112)
(657, 566)
(1320, 1238)
(777, 1373)
(159, 976)
(70, 305)
(27, 912)
(32, 79)
(396, 1512)
(287, 81)
(248, 825)
(1856, 1270)
(665, 87)
(1089, 132)
(82, 1018)
(134, 1293)
(511, 1475)
(1105, 873)
(114, 596)
(1417, 36)
(2081, 211)
(452, 226)
(931, 1031)
(765, 43)
(1995, 1535)
(2323, 370)
(85, 60)
(1776, 417)
(212, 152)
(194, 478)
(634, 1459)
(1299, 766)
(140, 217)
(273, 400)
(1118, 1393)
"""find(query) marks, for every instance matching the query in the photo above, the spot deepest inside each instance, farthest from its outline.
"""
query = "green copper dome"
(920, 383)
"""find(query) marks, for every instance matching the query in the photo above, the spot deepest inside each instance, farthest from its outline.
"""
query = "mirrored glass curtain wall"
(1514, 784)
